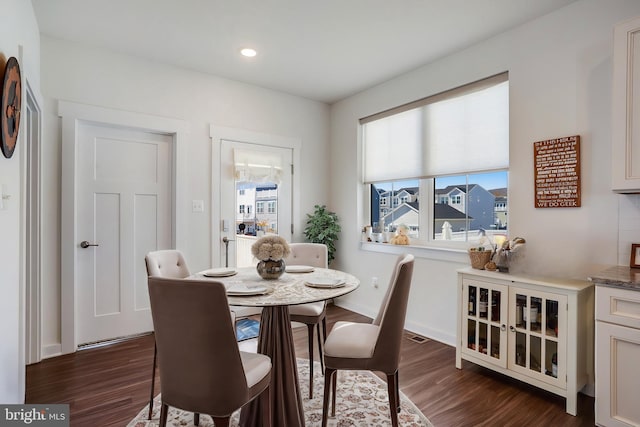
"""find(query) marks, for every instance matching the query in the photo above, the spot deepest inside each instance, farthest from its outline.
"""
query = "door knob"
(84, 244)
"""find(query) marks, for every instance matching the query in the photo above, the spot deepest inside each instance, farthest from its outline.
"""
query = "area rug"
(361, 401)
(247, 329)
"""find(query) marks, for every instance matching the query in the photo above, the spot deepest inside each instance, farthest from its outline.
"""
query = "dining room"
(214, 160)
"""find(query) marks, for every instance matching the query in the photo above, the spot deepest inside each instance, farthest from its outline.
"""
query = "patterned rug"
(361, 401)
(247, 329)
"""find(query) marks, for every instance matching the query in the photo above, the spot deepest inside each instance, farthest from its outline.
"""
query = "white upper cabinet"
(626, 107)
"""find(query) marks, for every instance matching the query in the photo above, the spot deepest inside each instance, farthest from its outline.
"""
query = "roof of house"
(449, 188)
(444, 211)
(410, 190)
(499, 192)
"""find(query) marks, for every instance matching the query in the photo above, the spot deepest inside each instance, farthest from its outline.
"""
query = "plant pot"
(271, 269)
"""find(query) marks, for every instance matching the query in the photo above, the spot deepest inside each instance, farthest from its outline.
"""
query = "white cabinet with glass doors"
(535, 330)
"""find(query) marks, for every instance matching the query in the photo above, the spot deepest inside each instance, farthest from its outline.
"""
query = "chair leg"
(196, 419)
(153, 379)
(392, 386)
(163, 414)
(398, 391)
(221, 421)
(321, 350)
(333, 398)
(310, 332)
(329, 377)
(324, 328)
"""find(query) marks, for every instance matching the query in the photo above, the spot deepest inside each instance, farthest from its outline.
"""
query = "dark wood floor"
(108, 386)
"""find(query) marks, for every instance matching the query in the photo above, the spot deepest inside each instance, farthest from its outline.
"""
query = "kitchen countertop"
(618, 277)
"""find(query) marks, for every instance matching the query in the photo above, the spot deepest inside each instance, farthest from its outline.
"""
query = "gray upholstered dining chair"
(164, 263)
(311, 314)
(202, 369)
(371, 346)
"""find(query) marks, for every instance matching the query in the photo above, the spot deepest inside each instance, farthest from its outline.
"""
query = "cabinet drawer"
(619, 306)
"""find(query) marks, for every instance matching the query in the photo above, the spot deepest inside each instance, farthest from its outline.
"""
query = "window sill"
(427, 252)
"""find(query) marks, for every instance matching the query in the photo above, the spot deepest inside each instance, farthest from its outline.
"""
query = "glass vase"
(271, 269)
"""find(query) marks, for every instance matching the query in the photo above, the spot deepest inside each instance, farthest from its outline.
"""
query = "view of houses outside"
(462, 206)
(257, 208)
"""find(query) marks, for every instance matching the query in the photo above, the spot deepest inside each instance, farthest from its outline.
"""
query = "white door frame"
(72, 115)
(220, 133)
(31, 225)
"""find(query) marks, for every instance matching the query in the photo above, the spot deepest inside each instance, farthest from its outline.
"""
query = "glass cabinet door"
(537, 328)
(484, 320)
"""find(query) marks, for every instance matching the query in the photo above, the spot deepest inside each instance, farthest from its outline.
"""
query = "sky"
(488, 181)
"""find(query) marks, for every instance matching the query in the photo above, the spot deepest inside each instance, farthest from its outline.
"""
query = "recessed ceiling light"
(248, 52)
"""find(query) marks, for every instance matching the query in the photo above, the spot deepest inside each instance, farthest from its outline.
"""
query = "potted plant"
(322, 227)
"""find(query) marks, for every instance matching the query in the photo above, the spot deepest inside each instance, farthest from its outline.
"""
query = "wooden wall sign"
(557, 172)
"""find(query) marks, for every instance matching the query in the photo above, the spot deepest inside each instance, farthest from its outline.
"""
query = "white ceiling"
(324, 50)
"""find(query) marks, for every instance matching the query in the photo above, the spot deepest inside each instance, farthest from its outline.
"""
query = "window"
(241, 192)
(259, 207)
(241, 209)
(271, 207)
(453, 179)
(248, 209)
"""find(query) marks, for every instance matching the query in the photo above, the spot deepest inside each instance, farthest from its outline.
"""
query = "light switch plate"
(197, 205)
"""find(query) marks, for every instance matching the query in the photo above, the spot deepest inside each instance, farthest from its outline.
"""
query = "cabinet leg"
(572, 404)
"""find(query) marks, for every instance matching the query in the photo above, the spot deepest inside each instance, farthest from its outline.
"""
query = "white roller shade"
(393, 147)
(257, 166)
(468, 133)
(465, 132)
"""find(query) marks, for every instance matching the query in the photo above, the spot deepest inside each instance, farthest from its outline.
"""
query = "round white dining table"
(275, 338)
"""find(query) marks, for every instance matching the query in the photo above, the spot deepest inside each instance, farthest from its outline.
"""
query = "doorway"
(120, 170)
(256, 196)
(225, 191)
(32, 227)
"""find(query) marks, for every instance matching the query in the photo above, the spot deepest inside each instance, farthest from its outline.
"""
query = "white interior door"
(256, 196)
(124, 209)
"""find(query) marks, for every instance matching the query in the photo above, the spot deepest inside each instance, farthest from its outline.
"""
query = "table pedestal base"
(276, 341)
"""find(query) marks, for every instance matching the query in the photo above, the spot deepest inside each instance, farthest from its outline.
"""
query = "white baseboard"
(51, 350)
(589, 390)
(434, 334)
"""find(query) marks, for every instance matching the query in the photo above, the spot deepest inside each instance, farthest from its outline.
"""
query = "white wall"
(91, 76)
(560, 69)
(18, 31)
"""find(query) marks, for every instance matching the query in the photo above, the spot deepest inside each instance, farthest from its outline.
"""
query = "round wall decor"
(10, 107)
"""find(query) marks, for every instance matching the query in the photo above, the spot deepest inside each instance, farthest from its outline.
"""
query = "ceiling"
(323, 50)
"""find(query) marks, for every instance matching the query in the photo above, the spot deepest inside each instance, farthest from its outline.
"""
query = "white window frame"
(425, 246)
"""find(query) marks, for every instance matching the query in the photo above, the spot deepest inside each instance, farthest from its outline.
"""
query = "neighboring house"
(245, 206)
(390, 200)
(407, 213)
(257, 204)
(501, 207)
(477, 203)
(451, 204)
(445, 213)
(267, 206)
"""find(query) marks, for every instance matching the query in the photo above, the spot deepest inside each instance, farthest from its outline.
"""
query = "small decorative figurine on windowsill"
(401, 237)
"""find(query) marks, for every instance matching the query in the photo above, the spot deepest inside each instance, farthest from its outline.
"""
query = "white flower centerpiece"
(270, 251)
